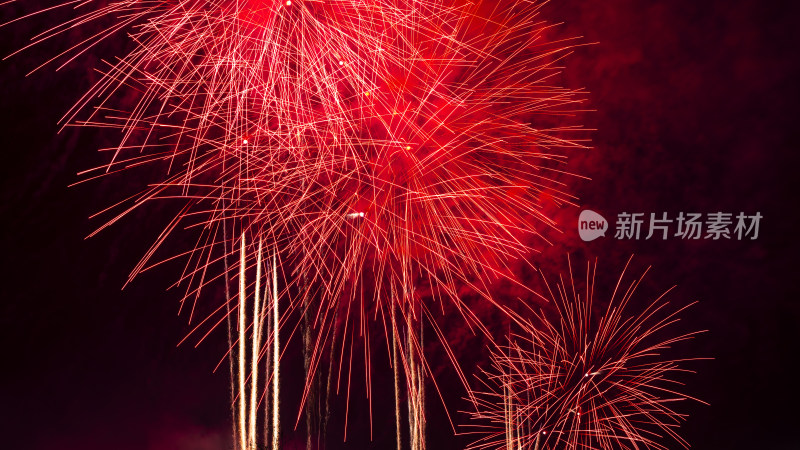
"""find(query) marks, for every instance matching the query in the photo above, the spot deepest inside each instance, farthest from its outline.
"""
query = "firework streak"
(585, 380)
(388, 155)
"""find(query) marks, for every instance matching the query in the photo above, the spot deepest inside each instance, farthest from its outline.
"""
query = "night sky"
(695, 106)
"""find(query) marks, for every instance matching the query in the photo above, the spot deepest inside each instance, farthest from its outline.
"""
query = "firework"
(583, 379)
(389, 154)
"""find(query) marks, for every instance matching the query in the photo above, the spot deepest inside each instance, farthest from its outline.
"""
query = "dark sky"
(696, 111)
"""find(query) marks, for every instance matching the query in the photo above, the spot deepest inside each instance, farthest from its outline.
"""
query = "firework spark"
(580, 379)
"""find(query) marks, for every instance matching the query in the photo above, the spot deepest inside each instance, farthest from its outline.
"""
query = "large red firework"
(391, 155)
(583, 379)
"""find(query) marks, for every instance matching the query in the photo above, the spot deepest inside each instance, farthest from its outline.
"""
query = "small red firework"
(583, 380)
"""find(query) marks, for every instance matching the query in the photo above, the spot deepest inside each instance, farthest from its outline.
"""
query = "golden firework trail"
(249, 346)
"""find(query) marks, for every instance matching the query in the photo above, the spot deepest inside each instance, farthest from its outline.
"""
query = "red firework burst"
(389, 154)
(586, 380)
